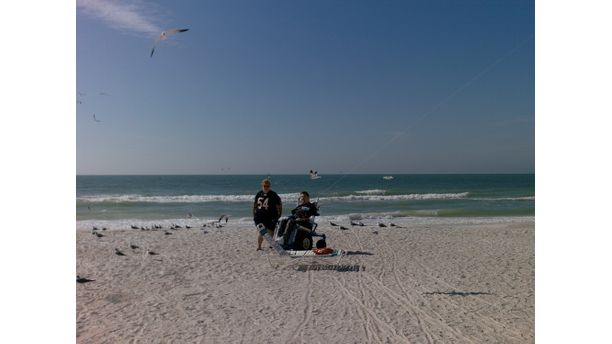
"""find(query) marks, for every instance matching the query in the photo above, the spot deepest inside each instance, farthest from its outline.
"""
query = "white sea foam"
(371, 192)
(173, 199)
(525, 198)
(249, 198)
(397, 197)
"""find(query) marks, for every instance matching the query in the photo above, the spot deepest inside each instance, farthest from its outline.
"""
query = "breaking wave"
(366, 195)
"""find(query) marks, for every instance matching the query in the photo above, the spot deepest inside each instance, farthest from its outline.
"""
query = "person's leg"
(260, 237)
(283, 226)
(288, 231)
(259, 241)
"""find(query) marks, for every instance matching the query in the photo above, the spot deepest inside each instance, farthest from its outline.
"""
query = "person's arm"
(279, 207)
(313, 210)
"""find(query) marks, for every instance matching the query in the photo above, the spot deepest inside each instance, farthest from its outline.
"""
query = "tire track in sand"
(367, 327)
(492, 323)
(411, 303)
(382, 326)
(307, 309)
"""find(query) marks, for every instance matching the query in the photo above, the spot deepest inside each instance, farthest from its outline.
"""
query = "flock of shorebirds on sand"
(96, 231)
(221, 222)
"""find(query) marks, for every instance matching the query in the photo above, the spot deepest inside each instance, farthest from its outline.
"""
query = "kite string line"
(432, 110)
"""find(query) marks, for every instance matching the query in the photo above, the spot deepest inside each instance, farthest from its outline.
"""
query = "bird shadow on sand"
(457, 293)
(358, 253)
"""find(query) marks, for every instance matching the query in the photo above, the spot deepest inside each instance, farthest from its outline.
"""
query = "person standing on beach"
(267, 209)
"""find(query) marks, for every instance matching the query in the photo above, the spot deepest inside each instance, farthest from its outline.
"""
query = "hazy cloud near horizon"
(126, 15)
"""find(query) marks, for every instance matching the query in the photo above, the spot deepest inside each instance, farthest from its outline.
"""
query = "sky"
(283, 87)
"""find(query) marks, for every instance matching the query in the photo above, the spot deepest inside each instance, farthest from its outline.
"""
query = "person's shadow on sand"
(457, 293)
(358, 253)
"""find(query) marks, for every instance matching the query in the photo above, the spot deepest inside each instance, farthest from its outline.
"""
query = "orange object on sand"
(324, 250)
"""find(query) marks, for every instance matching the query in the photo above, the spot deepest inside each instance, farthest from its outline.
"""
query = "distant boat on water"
(388, 177)
(314, 175)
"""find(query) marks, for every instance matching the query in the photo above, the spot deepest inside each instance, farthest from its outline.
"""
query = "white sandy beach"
(427, 283)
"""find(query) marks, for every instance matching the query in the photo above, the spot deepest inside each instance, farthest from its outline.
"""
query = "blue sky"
(288, 86)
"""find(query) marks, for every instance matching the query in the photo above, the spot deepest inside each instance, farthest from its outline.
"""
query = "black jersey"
(305, 210)
(266, 206)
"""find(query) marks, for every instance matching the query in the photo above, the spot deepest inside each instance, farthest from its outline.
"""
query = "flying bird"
(95, 119)
(164, 35)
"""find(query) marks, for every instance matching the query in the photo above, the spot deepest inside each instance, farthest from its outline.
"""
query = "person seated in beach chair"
(302, 215)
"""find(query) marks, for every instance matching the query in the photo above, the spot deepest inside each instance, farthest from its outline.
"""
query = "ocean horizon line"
(305, 174)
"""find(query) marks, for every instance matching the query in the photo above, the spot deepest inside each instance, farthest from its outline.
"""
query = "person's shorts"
(269, 223)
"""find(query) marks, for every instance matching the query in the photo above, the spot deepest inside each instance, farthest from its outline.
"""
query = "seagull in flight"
(164, 35)
(95, 119)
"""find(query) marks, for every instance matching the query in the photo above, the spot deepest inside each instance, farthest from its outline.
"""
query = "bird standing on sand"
(333, 224)
(99, 235)
(119, 253)
(133, 247)
(164, 35)
(380, 224)
(343, 228)
(83, 279)
(152, 253)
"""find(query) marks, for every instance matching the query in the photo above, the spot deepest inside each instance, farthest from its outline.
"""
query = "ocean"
(118, 202)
